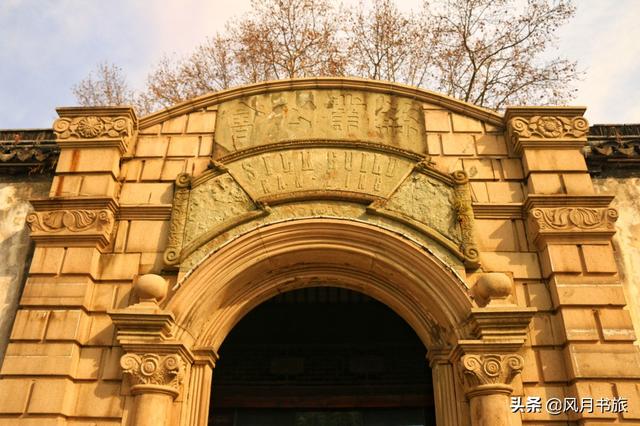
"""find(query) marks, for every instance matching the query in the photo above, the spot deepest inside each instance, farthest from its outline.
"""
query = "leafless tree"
(209, 68)
(387, 44)
(105, 85)
(492, 53)
(288, 39)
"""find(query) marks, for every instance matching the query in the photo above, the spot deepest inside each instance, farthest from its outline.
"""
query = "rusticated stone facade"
(483, 232)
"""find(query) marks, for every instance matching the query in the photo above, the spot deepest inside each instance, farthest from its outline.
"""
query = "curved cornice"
(349, 83)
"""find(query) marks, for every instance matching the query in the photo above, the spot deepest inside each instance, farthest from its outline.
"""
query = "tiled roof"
(613, 147)
(28, 151)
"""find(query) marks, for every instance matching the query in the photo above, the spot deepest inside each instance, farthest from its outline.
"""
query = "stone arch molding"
(276, 258)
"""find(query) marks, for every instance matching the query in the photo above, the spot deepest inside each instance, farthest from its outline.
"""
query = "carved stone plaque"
(313, 170)
(319, 114)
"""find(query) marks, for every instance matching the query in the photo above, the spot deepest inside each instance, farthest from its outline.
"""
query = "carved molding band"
(93, 127)
(560, 129)
(154, 369)
(575, 218)
(546, 224)
(550, 127)
(80, 226)
(489, 369)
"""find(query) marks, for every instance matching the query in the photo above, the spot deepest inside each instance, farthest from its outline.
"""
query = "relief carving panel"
(83, 226)
(320, 114)
(214, 202)
(437, 213)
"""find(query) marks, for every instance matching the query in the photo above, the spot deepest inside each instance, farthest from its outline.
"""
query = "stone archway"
(407, 277)
(298, 254)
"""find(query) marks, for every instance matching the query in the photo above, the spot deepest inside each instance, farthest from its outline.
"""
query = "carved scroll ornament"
(82, 226)
(574, 218)
(70, 220)
(489, 369)
(90, 127)
(154, 369)
(464, 212)
(549, 127)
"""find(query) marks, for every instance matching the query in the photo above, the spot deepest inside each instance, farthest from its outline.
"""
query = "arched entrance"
(322, 356)
(386, 266)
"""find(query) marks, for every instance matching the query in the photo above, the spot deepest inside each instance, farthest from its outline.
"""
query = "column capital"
(154, 373)
(489, 373)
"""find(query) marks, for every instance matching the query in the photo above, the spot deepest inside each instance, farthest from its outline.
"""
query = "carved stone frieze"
(437, 205)
(575, 218)
(99, 127)
(79, 226)
(564, 222)
(93, 127)
(550, 127)
(204, 210)
(489, 369)
(399, 188)
(71, 220)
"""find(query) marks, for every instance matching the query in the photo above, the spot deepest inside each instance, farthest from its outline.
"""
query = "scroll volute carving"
(485, 370)
(64, 222)
(151, 369)
(550, 127)
(559, 223)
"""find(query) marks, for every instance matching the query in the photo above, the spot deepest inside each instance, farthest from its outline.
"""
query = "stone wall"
(15, 246)
(141, 197)
(626, 188)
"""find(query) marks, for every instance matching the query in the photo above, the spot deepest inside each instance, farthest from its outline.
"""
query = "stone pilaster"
(82, 206)
(154, 362)
(444, 388)
(571, 228)
(488, 364)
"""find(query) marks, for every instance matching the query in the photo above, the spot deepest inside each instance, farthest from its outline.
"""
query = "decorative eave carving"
(82, 127)
(78, 222)
(546, 128)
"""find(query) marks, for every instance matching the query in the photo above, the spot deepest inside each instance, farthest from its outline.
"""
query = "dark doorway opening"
(322, 356)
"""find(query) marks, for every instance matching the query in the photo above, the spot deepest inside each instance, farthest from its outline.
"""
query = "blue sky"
(46, 46)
